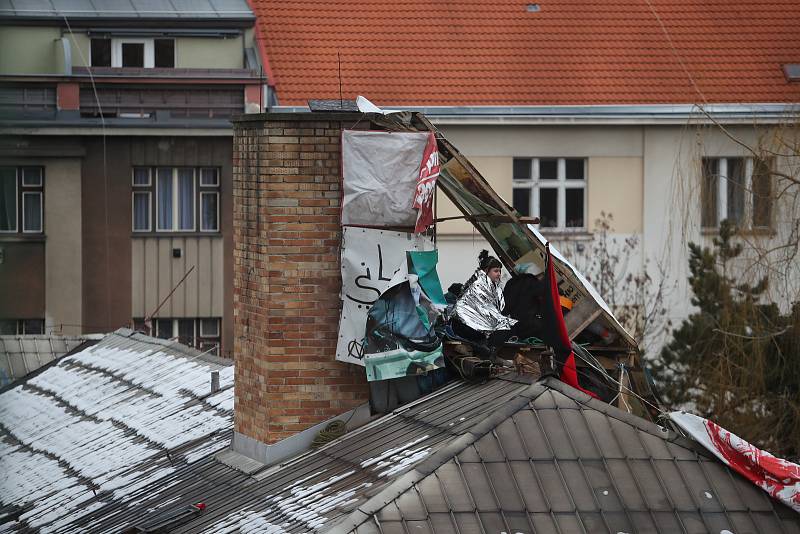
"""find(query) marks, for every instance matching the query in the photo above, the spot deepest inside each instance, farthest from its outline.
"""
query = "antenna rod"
(339, 62)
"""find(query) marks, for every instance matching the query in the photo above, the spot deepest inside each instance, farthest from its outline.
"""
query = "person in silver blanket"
(478, 314)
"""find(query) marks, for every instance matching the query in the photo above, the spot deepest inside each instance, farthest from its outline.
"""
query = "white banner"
(379, 173)
(370, 259)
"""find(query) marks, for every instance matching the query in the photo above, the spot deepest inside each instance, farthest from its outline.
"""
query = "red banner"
(426, 185)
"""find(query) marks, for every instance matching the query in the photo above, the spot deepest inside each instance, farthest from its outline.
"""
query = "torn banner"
(369, 260)
(426, 185)
(400, 338)
(778, 477)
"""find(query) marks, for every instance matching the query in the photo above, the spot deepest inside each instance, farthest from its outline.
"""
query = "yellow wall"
(29, 50)
(615, 186)
(497, 171)
(81, 49)
(614, 174)
(205, 53)
(63, 264)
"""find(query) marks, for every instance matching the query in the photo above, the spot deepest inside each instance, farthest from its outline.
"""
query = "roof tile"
(413, 52)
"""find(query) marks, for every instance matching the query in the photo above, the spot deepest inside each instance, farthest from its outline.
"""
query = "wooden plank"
(581, 316)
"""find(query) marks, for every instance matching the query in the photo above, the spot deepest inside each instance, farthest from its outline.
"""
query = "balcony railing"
(27, 101)
(192, 102)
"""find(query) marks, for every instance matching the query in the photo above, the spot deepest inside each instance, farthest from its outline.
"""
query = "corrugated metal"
(80, 439)
(503, 456)
(155, 272)
(21, 355)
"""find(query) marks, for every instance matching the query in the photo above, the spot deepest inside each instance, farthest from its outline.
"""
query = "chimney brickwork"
(287, 279)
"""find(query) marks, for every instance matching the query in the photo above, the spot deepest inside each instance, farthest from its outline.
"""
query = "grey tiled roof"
(132, 9)
(504, 456)
(564, 464)
(20, 355)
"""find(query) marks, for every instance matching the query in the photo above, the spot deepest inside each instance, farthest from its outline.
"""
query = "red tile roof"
(484, 52)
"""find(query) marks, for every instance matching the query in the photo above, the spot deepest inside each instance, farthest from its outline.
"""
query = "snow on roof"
(21, 355)
(104, 422)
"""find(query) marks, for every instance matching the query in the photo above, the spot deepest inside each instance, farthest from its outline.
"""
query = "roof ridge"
(633, 420)
(426, 467)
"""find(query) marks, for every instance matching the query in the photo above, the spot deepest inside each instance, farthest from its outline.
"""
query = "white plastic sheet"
(380, 172)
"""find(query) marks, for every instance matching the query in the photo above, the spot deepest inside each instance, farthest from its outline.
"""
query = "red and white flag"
(778, 477)
(426, 185)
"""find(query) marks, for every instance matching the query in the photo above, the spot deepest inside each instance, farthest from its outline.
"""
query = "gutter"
(765, 113)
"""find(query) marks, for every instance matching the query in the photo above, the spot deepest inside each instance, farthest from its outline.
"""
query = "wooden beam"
(489, 217)
(581, 316)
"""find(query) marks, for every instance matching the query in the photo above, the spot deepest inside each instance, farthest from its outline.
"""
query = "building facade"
(657, 120)
(115, 160)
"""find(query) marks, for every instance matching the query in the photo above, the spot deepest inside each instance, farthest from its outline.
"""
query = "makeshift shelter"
(388, 180)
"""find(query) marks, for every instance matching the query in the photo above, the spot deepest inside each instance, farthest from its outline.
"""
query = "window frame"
(175, 204)
(148, 58)
(20, 191)
(200, 212)
(721, 192)
(149, 52)
(198, 194)
(201, 340)
(40, 194)
(561, 184)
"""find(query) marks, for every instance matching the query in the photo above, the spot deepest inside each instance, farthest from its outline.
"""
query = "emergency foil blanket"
(370, 259)
(778, 477)
(481, 304)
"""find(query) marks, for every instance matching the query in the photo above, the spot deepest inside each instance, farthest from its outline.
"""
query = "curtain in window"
(736, 190)
(8, 199)
(209, 212)
(32, 208)
(164, 199)
(762, 193)
(141, 211)
(186, 199)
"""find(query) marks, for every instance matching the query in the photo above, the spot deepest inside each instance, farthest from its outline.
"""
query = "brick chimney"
(287, 233)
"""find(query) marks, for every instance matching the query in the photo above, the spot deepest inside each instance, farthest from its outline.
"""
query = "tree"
(737, 358)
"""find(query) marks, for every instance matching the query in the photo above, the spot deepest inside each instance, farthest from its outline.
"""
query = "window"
(101, 52)
(21, 200)
(176, 197)
(200, 333)
(19, 327)
(553, 189)
(736, 189)
(133, 52)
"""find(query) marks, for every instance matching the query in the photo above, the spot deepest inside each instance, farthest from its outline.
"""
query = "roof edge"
(598, 114)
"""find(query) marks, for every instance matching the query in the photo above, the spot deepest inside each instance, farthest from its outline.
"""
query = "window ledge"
(175, 234)
(22, 238)
(567, 235)
(765, 232)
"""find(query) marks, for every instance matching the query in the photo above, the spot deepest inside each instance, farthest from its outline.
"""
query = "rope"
(334, 429)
